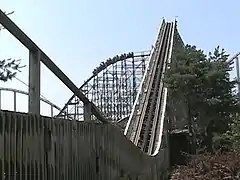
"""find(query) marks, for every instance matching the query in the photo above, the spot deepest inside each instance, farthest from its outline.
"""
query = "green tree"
(9, 68)
(184, 80)
(203, 84)
(219, 101)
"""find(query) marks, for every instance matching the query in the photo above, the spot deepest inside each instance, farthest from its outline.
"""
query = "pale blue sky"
(79, 34)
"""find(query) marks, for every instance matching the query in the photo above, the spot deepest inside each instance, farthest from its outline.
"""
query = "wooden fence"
(42, 148)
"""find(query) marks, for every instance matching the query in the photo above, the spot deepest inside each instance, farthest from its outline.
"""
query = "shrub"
(210, 166)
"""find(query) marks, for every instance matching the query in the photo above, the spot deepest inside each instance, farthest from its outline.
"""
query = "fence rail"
(43, 148)
(16, 91)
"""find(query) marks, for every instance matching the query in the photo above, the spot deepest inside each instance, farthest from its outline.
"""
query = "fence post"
(15, 101)
(34, 82)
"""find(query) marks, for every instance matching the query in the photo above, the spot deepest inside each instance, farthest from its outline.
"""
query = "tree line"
(203, 83)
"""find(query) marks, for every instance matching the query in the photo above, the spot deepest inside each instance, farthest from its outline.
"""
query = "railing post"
(87, 112)
(15, 101)
(34, 82)
(51, 111)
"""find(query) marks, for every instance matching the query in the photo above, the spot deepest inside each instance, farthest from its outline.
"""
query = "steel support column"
(34, 82)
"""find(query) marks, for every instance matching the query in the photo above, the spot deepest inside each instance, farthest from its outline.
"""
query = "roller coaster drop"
(145, 125)
(125, 91)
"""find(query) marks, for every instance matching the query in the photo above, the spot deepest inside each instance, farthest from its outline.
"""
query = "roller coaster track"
(112, 87)
(145, 124)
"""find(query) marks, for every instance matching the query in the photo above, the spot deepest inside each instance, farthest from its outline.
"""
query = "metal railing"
(36, 55)
(16, 91)
(235, 59)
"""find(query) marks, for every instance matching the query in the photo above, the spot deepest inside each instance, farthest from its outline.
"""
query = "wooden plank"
(57, 171)
(24, 148)
(2, 147)
(78, 150)
(45, 149)
(20, 145)
(35, 147)
(8, 150)
(42, 149)
(63, 127)
(14, 138)
(67, 149)
(38, 148)
(49, 149)
(30, 147)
